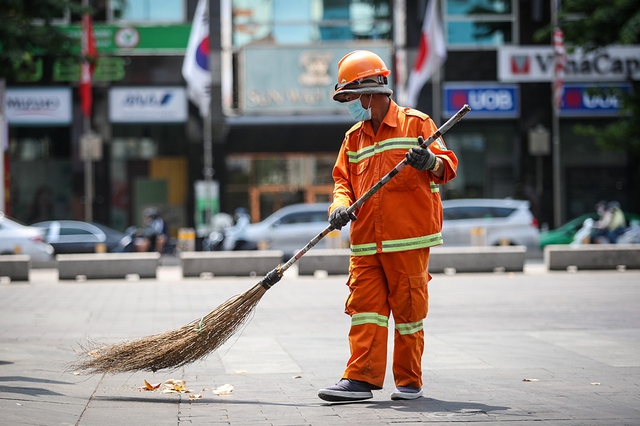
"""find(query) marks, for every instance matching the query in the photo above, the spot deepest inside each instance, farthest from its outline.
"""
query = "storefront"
(283, 143)
(147, 162)
(39, 153)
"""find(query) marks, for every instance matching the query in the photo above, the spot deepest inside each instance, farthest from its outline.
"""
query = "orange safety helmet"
(361, 72)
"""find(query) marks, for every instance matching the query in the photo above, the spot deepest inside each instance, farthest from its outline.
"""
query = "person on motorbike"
(611, 224)
(154, 235)
(235, 236)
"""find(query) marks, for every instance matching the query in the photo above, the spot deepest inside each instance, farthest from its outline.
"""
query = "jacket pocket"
(407, 179)
(360, 167)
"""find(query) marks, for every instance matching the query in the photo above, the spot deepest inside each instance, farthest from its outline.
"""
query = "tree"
(27, 32)
(591, 25)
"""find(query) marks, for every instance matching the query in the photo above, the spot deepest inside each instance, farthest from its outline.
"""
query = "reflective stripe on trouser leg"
(409, 299)
(376, 283)
(367, 304)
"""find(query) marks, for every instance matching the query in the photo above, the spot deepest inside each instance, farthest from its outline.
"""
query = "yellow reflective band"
(363, 249)
(385, 145)
(434, 187)
(397, 245)
(410, 328)
(412, 243)
(370, 318)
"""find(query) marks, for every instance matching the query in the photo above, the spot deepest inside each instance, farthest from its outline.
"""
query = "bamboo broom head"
(175, 348)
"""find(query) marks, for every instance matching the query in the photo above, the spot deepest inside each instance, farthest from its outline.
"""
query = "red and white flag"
(195, 68)
(560, 56)
(432, 52)
(90, 54)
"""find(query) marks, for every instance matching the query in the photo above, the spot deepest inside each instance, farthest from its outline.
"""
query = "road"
(538, 347)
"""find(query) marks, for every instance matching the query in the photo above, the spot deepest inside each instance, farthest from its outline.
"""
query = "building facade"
(281, 131)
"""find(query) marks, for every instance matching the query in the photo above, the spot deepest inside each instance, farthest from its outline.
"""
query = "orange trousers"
(380, 285)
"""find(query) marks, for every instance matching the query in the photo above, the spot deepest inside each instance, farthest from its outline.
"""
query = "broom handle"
(274, 276)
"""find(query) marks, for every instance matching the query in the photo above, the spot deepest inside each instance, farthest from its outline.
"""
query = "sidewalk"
(543, 348)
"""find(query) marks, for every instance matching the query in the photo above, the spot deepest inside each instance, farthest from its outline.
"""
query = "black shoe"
(347, 390)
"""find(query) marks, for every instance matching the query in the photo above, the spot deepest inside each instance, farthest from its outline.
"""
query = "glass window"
(486, 152)
(307, 21)
(480, 22)
(305, 217)
(74, 231)
(148, 10)
(501, 212)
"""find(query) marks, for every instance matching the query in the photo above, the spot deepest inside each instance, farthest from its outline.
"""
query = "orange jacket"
(406, 213)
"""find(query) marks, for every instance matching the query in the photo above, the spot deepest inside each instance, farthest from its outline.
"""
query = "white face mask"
(357, 112)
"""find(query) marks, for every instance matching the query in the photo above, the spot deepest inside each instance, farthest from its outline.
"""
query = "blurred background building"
(279, 131)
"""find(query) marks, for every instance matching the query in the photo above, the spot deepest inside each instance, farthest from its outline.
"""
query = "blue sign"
(579, 101)
(485, 100)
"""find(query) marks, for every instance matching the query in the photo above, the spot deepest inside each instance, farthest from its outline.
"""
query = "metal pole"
(88, 161)
(400, 38)
(555, 130)
(436, 94)
(88, 171)
(2, 143)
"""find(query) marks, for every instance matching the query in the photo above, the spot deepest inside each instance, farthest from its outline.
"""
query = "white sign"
(535, 64)
(148, 105)
(39, 106)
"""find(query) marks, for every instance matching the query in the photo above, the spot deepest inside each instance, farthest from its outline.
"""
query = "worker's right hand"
(421, 158)
(339, 217)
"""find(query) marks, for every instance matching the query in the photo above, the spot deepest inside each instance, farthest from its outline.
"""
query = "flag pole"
(436, 96)
(88, 160)
(555, 126)
(400, 39)
(431, 55)
(2, 143)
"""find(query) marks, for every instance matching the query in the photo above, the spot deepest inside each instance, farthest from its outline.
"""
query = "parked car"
(489, 222)
(73, 236)
(16, 238)
(565, 233)
(292, 227)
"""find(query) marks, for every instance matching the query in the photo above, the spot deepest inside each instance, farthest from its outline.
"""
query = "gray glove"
(340, 217)
(421, 158)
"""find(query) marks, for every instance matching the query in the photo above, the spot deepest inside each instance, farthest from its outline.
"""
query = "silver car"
(489, 222)
(292, 227)
(16, 238)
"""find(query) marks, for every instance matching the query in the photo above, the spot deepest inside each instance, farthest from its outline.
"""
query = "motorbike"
(226, 236)
(127, 244)
(630, 236)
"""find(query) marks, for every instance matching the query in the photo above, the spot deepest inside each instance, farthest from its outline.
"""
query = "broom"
(176, 348)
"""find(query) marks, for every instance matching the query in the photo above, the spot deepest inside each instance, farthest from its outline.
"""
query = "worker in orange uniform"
(394, 230)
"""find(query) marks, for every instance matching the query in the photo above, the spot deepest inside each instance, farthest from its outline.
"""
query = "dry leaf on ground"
(149, 387)
(224, 389)
(175, 386)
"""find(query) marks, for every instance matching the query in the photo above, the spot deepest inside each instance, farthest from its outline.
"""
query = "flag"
(432, 52)
(195, 68)
(560, 59)
(89, 54)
